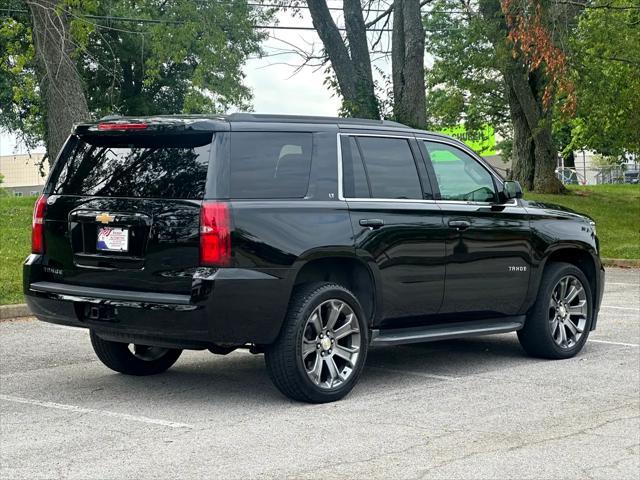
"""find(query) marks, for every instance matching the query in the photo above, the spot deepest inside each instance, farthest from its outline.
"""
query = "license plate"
(113, 239)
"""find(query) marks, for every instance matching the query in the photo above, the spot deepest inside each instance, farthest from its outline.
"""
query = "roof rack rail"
(255, 117)
(106, 118)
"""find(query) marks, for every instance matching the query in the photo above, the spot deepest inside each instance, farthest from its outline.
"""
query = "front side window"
(270, 164)
(460, 176)
(389, 166)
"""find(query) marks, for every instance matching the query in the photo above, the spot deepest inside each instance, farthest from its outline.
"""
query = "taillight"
(122, 126)
(37, 226)
(215, 234)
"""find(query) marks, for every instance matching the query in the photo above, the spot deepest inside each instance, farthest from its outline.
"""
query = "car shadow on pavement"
(200, 380)
(241, 378)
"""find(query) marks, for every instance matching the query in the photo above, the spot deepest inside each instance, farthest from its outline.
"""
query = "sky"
(275, 85)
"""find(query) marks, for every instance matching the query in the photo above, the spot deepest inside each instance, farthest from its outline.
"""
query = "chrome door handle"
(459, 224)
(372, 222)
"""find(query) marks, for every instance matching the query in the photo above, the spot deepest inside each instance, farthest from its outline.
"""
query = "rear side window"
(354, 177)
(390, 168)
(270, 164)
(152, 166)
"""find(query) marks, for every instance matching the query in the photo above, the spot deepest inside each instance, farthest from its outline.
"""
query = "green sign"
(481, 141)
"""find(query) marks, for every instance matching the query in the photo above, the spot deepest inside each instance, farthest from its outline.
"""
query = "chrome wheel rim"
(568, 310)
(331, 344)
(146, 353)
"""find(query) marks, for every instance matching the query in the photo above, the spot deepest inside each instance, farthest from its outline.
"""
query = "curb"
(621, 263)
(14, 311)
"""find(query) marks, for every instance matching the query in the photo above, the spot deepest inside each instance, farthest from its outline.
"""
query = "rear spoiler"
(118, 125)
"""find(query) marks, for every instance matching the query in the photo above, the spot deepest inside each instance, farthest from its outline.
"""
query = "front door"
(488, 254)
(396, 223)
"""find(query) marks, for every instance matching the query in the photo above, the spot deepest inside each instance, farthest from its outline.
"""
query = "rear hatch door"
(123, 210)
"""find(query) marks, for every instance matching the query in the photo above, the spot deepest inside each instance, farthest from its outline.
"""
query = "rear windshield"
(152, 166)
(270, 164)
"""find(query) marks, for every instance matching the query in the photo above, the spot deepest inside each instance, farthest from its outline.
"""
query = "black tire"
(119, 358)
(284, 358)
(536, 336)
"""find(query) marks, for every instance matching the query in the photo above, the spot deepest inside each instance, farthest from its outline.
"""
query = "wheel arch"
(348, 271)
(583, 256)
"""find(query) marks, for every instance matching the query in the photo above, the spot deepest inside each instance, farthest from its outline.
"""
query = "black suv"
(306, 238)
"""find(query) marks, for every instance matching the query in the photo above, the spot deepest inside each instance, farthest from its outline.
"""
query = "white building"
(22, 173)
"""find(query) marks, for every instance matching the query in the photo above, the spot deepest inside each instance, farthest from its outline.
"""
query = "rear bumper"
(226, 306)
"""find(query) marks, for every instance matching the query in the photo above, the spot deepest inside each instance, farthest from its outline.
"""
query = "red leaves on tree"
(532, 39)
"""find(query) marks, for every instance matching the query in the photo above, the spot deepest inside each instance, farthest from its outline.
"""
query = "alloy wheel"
(146, 353)
(331, 344)
(568, 310)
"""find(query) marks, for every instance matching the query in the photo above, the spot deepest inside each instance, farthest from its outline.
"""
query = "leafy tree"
(606, 61)
(132, 57)
(579, 57)
(497, 62)
(465, 83)
(190, 61)
(20, 106)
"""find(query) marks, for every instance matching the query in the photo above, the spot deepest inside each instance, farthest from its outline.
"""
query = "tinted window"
(354, 177)
(460, 176)
(171, 166)
(390, 167)
(270, 164)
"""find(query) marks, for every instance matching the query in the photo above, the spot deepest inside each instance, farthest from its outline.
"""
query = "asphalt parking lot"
(475, 408)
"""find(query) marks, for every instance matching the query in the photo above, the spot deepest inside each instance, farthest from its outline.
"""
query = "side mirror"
(511, 189)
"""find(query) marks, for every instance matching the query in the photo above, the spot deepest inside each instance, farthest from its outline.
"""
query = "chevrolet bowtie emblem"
(104, 218)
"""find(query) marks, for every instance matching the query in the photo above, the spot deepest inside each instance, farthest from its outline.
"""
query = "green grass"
(15, 245)
(616, 211)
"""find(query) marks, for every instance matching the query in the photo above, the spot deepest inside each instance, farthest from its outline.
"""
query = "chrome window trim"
(411, 200)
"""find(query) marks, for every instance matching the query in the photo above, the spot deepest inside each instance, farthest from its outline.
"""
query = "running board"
(434, 333)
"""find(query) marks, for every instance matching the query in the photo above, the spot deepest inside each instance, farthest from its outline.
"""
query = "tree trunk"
(366, 101)
(352, 65)
(60, 86)
(407, 63)
(526, 88)
(533, 144)
(545, 180)
(522, 153)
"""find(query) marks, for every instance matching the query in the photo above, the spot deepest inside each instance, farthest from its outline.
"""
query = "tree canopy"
(606, 62)
(135, 58)
(20, 107)
(599, 41)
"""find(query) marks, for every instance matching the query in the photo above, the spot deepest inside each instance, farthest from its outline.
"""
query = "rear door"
(123, 210)
(397, 225)
(488, 252)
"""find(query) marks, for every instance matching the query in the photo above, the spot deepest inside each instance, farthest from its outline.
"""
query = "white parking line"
(103, 413)
(620, 308)
(622, 283)
(409, 372)
(614, 343)
(67, 327)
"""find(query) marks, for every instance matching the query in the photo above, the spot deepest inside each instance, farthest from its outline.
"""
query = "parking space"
(459, 409)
